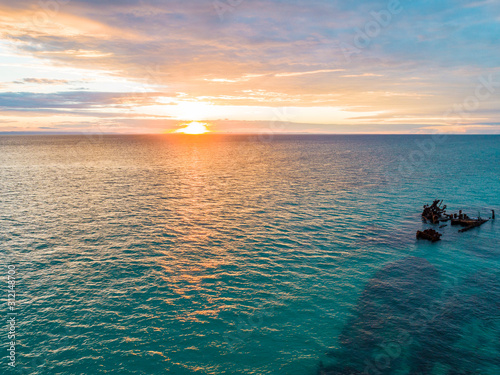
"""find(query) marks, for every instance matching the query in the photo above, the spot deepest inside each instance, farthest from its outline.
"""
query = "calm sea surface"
(235, 255)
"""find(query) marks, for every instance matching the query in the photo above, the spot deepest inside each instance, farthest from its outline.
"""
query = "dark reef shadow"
(405, 322)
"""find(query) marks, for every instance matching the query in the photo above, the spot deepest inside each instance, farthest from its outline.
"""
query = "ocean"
(240, 254)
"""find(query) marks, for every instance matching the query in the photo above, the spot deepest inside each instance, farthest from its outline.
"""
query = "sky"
(316, 66)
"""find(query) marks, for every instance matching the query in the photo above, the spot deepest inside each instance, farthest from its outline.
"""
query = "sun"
(194, 127)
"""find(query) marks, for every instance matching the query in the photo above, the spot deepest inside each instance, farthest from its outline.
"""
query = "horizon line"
(264, 134)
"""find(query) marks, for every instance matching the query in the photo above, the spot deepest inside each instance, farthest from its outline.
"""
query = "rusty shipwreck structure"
(436, 214)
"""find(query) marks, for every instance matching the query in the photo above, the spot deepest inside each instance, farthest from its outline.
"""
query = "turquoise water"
(231, 255)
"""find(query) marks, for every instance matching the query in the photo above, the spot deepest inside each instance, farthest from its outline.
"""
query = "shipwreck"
(436, 214)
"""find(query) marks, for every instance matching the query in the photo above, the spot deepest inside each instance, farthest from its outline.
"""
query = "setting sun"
(194, 128)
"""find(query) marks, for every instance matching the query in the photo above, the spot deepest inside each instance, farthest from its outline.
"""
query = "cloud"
(43, 81)
(98, 104)
(461, 129)
(295, 74)
(362, 75)
(278, 53)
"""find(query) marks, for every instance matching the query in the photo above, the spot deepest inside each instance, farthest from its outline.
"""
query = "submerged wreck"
(468, 223)
(429, 234)
(436, 213)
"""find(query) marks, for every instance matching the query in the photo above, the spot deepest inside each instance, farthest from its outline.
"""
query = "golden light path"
(194, 127)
